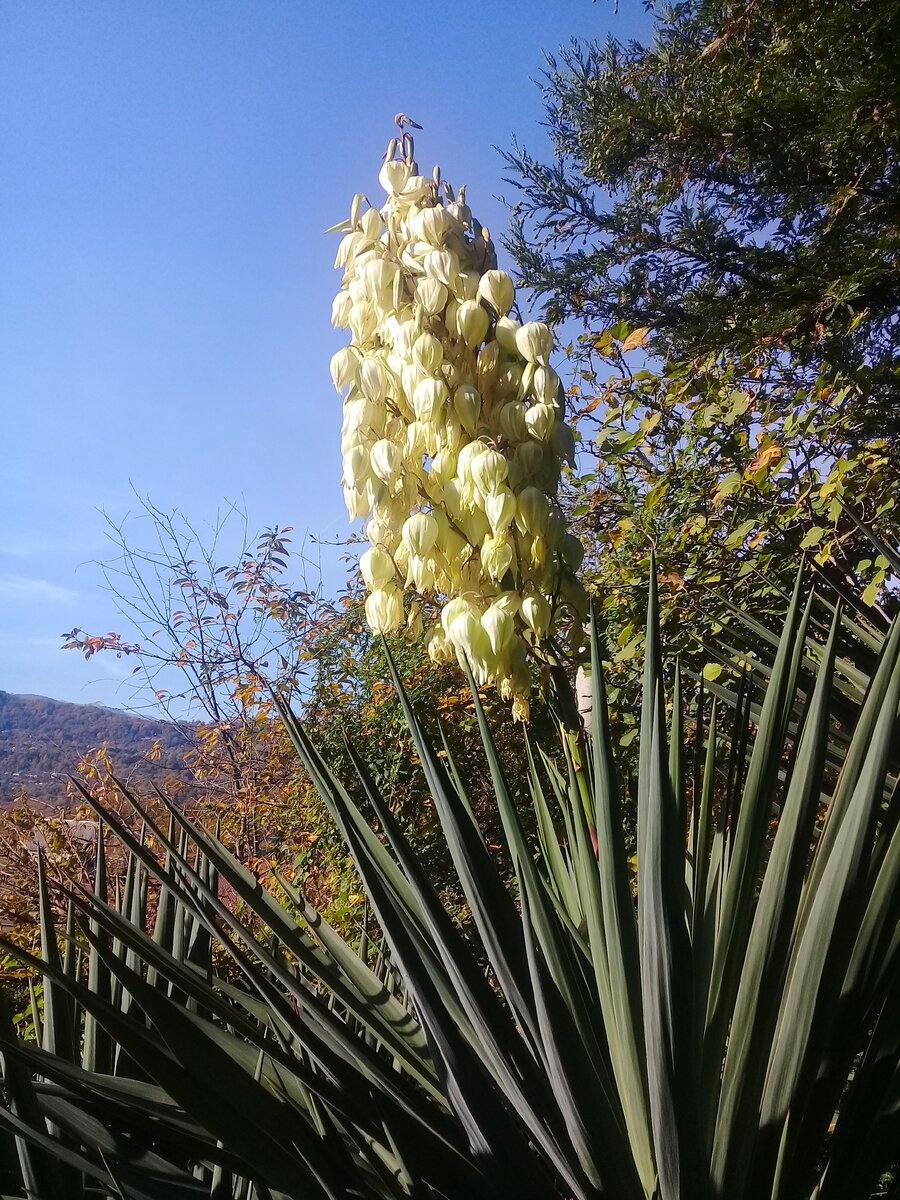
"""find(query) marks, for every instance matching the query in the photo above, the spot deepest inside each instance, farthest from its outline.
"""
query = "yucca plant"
(726, 1027)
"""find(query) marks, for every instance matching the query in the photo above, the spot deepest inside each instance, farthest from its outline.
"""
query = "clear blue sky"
(167, 170)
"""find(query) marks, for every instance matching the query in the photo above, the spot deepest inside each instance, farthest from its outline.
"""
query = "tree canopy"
(723, 200)
(734, 183)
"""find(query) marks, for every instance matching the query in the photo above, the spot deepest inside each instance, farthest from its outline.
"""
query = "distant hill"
(41, 741)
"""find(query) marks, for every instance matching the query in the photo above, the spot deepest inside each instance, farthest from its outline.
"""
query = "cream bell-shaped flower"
(420, 532)
(496, 289)
(536, 613)
(540, 419)
(376, 567)
(393, 176)
(432, 295)
(374, 379)
(344, 368)
(356, 467)
(432, 225)
(384, 610)
(469, 636)
(500, 509)
(534, 341)
(472, 322)
(340, 310)
(545, 386)
(500, 627)
(505, 330)
(466, 286)
(488, 469)
(512, 421)
(467, 404)
(355, 501)
(497, 555)
(430, 399)
(442, 266)
(440, 649)
(422, 573)
(452, 609)
(428, 354)
(386, 460)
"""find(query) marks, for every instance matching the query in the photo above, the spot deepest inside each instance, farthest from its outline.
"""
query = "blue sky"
(167, 170)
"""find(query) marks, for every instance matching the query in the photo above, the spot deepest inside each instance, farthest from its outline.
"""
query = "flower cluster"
(453, 434)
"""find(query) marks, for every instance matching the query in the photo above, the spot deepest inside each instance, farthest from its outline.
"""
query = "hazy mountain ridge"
(41, 741)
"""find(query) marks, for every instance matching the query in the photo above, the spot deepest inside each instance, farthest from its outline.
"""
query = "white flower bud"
(497, 554)
(439, 647)
(545, 386)
(489, 469)
(512, 421)
(378, 277)
(384, 610)
(472, 322)
(534, 341)
(443, 467)
(467, 403)
(505, 331)
(393, 176)
(442, 266)
(420, 533)
(386, 460)
(499, 626)
(340, 310)
(430, 399)
(432, 225)
(431, 295)
(500, 509)
(362, 321)
(487, 366)
(376, 568)
(371, 224)
(536, 613)
(497, 289)
(344, 368)
(356, 467)
(428, 354)
(540, 419)
(374, 379)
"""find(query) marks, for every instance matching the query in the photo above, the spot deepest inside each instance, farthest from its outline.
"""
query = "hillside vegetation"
(42, 740)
